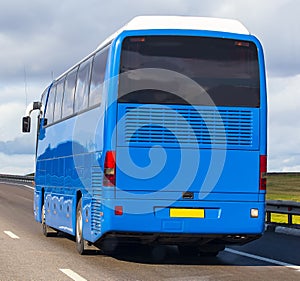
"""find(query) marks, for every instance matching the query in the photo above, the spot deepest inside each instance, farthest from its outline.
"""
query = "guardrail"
(14, 178)
(289, 208)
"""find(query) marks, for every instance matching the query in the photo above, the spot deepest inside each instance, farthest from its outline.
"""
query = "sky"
(39, 40)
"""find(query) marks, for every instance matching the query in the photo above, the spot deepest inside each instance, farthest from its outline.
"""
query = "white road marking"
(11, 235)
(18, 184)
(288, 265)
(28, 186)
(73, 275)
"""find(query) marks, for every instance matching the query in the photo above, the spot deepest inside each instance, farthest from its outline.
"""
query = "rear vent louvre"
(190, 126)
(96, 199)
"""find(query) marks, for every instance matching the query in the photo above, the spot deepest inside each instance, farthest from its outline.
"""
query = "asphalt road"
(25, 254)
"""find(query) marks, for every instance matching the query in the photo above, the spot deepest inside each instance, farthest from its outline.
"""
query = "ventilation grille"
(189, 126)
(96, 199)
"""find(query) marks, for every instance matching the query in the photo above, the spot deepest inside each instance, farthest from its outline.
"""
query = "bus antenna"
(25, 86)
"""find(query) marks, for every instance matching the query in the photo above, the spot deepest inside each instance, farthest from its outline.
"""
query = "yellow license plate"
(187, 213)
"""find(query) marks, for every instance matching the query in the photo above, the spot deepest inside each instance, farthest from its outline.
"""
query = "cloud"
(50, 37)
(275, 24)
(11, 120)
(20, 145)
(41, 38)
(284, 137)
(16, 164)
(10, 124)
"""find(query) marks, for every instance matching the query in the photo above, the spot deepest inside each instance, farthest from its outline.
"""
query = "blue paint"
(70, 158)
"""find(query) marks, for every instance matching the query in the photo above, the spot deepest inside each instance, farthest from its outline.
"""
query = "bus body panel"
(71, 154)
(68, 160)
(215, 147)
(238, 182)
(244, 179)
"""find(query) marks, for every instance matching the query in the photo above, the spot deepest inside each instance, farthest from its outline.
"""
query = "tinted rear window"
(226, 69)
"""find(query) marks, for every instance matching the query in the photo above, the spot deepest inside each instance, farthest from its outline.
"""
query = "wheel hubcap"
(79, 227)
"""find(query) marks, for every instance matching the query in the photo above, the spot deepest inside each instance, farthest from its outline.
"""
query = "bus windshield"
(226, 69)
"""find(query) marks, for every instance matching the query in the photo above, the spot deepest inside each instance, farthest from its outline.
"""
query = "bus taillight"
(109, 178)
(263, 172)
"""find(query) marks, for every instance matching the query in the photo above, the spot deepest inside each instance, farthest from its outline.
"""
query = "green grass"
(283, 186)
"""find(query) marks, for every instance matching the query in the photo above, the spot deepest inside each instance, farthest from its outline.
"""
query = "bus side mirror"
(26, 124)
(45, 121)
(27, 120)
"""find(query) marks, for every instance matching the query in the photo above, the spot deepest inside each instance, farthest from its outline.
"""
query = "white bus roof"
(175, 22)
(180, 22)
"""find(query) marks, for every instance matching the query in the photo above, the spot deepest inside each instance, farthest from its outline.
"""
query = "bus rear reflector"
(263, 172)
(109, 178)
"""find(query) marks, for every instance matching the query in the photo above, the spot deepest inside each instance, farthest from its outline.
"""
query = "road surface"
(25, 254)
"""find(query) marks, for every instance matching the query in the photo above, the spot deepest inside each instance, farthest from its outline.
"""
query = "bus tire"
(80, 243)
(47, 231)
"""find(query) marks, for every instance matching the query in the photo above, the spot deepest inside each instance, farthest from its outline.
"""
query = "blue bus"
(157, 137)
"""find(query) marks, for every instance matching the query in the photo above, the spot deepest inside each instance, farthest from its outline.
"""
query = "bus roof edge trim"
(180, 22)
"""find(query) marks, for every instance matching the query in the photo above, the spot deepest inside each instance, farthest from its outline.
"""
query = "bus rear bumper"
(178, 239)
(229, 222)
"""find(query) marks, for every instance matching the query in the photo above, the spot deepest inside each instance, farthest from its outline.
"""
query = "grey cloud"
(20, 145)
(283, 162)
(50, 36)
(276, 24)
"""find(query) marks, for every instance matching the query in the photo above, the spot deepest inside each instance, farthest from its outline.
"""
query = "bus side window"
(82, 86)
(59, 99)
(44, 98)
(98, 73)
(68, 102)
(50, 104)
(43, 101)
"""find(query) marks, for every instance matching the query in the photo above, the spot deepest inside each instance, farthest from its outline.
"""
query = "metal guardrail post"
(268, 219)
(290, 219)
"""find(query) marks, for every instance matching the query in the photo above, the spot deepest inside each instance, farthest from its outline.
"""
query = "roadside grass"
(283, 186)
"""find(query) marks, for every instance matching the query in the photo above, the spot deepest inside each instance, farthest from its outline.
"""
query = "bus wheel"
(47, 231)
(79, 239)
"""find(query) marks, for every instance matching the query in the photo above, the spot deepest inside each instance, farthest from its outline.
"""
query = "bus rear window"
(226, 69)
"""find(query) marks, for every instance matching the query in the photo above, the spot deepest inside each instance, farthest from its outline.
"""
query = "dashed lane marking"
(28, 186)
(288, 265)
(11, 234)
(73, 275)
(18, 184)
